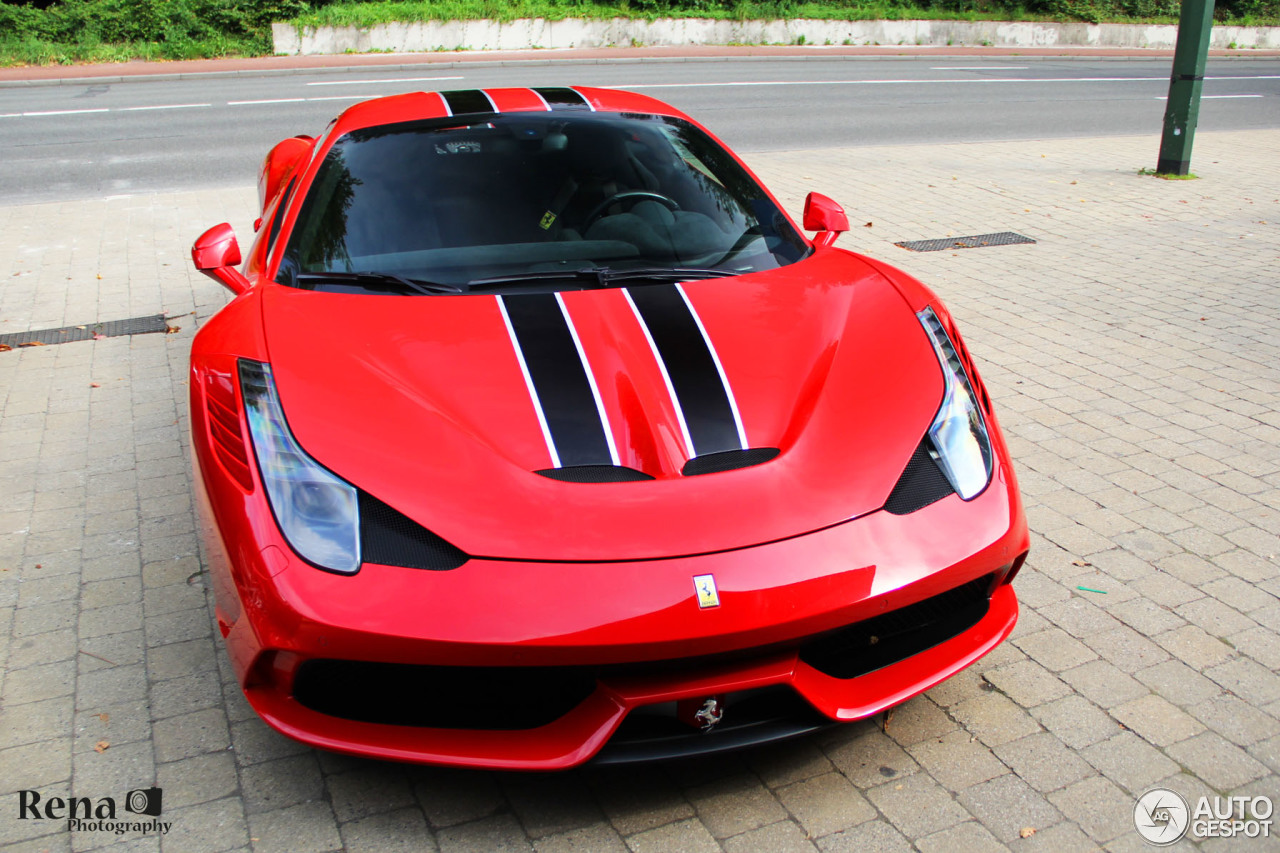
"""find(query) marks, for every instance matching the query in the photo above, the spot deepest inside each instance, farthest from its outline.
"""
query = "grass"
(35, 51)
(1168, 176)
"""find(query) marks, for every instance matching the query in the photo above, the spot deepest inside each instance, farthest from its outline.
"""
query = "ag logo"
(1161, 816)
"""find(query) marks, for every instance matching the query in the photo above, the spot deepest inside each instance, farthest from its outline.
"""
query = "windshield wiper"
(605, 276)
(384, 281)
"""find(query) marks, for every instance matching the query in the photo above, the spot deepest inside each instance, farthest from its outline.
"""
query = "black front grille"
(921, 484)
(729, 460)
(446, 697)
(882, 640)
(594, 474)
(388, 537)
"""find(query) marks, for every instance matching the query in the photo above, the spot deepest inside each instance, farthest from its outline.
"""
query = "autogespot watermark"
(1164, 817)
(141, 811)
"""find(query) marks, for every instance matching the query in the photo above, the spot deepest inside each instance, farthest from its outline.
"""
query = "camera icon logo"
(145, 801)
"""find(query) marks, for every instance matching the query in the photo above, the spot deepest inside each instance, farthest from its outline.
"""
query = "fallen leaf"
(97, 336)
(1081, 563)
(172, 330)
(94, 385)
(101, 746)
(5, 347)
(99, 275)
(868, 225)
(104, 717)
(32, 344)
(1027, 831)
(79, 327)
(39, 565)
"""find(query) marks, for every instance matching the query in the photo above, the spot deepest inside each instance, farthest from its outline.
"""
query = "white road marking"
(979, 67)
(66, 112)
(906, 82)
(267, 101)
(378, 82)
(340, 98)
(164, 107)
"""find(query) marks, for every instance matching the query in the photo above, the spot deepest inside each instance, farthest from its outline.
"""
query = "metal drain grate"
(87, 332)
(1003, 238)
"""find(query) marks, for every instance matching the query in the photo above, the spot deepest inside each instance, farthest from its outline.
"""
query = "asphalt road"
(69, 142)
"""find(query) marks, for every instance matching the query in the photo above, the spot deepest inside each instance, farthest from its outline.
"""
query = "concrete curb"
(525, 33)
(267, 66)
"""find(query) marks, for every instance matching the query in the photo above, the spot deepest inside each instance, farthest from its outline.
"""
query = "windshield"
(517, 198)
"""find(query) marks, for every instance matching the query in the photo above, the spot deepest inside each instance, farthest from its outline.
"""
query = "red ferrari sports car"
(537, 433)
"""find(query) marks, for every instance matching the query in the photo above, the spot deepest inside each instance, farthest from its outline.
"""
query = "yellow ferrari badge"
(548, 219)
(705, 585)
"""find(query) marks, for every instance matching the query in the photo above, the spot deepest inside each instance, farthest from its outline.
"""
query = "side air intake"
(921, 484)
(388, 537)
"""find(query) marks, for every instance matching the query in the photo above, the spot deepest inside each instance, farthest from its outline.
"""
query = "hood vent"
(594, 474)
(388, 537)
(729, 460)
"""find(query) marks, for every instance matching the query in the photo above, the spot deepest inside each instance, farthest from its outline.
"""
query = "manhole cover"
(87, 332)
(977, 241)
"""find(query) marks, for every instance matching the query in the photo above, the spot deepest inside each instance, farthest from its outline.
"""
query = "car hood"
(445, 407)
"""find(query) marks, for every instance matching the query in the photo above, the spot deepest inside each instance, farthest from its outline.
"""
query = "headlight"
(317, 512)
(958, 433)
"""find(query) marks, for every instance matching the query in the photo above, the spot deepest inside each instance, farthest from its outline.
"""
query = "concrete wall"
(541, 33)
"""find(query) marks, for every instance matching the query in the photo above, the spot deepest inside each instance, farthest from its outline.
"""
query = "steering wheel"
(636, 195)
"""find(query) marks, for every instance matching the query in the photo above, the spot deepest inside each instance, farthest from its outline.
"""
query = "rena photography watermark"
(1164, 817)
(100, 814)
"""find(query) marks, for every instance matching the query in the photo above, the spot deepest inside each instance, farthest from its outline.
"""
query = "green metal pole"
(1183, 109)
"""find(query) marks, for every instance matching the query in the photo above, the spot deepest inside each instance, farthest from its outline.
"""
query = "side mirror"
(279, 161)
(825, 216)
(216, 253)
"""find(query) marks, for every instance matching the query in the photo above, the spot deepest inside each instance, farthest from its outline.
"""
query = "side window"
(277, 218)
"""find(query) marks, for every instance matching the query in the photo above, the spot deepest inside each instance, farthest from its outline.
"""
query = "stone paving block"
(790, 761)
(1027, 683)
(255, 741)
(1043, 762)
(551, 805)
(968, 836)
(211, 827)
(686, 835)
(305, 828)
(1217, 761)
(1097, 806)
(734, 805)
(405, 831)
(872, 837)
(995, 719)
(191, 734)
(958, 760)
(1260, 644)
(917, 806)
(1196, 648)
(1179, 683)
(917, 720)
(374, 789)
(825, 804)
(35, 721)
(870, 758)
(1006, 804)
(1064, 837)
(1129, 761)
(781, 837)
(1056, 650)
(1100, 682)
(1240, 722)
(281, 784)
(637, 799)
(201, 779)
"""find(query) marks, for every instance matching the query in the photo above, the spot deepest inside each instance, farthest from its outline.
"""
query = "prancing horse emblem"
(709, 714)
(705, 585)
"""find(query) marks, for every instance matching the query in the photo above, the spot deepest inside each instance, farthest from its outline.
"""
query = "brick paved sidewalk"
(1134, 357)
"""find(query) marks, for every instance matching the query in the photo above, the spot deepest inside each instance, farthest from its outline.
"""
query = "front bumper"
(636, 626)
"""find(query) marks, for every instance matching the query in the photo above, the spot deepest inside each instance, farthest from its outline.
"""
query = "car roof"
(413, 106)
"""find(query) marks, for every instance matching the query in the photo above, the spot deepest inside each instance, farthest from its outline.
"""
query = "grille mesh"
(921, 484)
(87, 332)
(714, 463)
(390, 538)
(883, 640)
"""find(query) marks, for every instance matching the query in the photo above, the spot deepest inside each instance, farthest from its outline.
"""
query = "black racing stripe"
(464, 101)
(563, 99)
(699, 391)
(559, 379)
